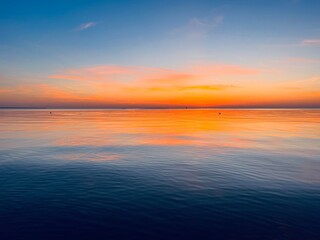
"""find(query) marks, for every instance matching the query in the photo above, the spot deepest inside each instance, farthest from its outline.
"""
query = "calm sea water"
(160, 174)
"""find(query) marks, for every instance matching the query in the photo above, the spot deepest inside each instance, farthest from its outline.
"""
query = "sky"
(168, 53)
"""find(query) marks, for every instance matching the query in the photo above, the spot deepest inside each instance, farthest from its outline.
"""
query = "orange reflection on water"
(231, 128)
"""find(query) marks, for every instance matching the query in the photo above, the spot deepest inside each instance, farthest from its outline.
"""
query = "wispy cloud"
(197, 27)
(4, 90)
(301, 43)
(215, 87)
(303, 60)
(85, 26)
(310, 42)
(39, 91)
(310, 84)
(217, 20)
(153, 76)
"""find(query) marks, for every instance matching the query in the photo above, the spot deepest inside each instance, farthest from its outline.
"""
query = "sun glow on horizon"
(206, 85)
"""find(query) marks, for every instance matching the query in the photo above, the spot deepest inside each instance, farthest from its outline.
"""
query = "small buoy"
(219, 113)
(50, 112)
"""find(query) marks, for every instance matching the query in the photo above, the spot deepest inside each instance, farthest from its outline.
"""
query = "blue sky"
(41, 38)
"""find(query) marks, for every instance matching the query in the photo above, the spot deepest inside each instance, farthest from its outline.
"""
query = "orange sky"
(203, 85)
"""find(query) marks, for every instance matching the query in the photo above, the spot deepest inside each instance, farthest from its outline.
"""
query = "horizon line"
(159, 108)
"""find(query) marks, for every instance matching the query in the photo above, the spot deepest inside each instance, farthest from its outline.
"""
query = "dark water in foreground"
(160, 174)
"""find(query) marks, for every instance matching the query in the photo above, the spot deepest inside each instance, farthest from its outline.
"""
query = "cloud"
(118, 84)
(310, 84)
(223, 70)
(4, 90)
(137, 86)
(198, 28)
(216, 87)
(303, 60)
(39, 90)
(97, 73)
(217, 20)
(153, 76)
(41, 95)
(196, 22)
(310, 42)
(301, 43)
(85, 26)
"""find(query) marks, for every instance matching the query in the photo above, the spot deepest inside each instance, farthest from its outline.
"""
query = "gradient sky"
(168, 53)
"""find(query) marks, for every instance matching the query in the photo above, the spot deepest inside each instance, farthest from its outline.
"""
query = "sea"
(159, 174)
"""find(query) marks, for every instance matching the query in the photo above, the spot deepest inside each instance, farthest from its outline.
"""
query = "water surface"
(160, 174)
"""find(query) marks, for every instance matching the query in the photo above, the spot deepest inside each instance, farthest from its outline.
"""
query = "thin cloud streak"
(217, 87)
(85, 26)
(198, 28)
(153, 76)
(311, 42)
(303, 60)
